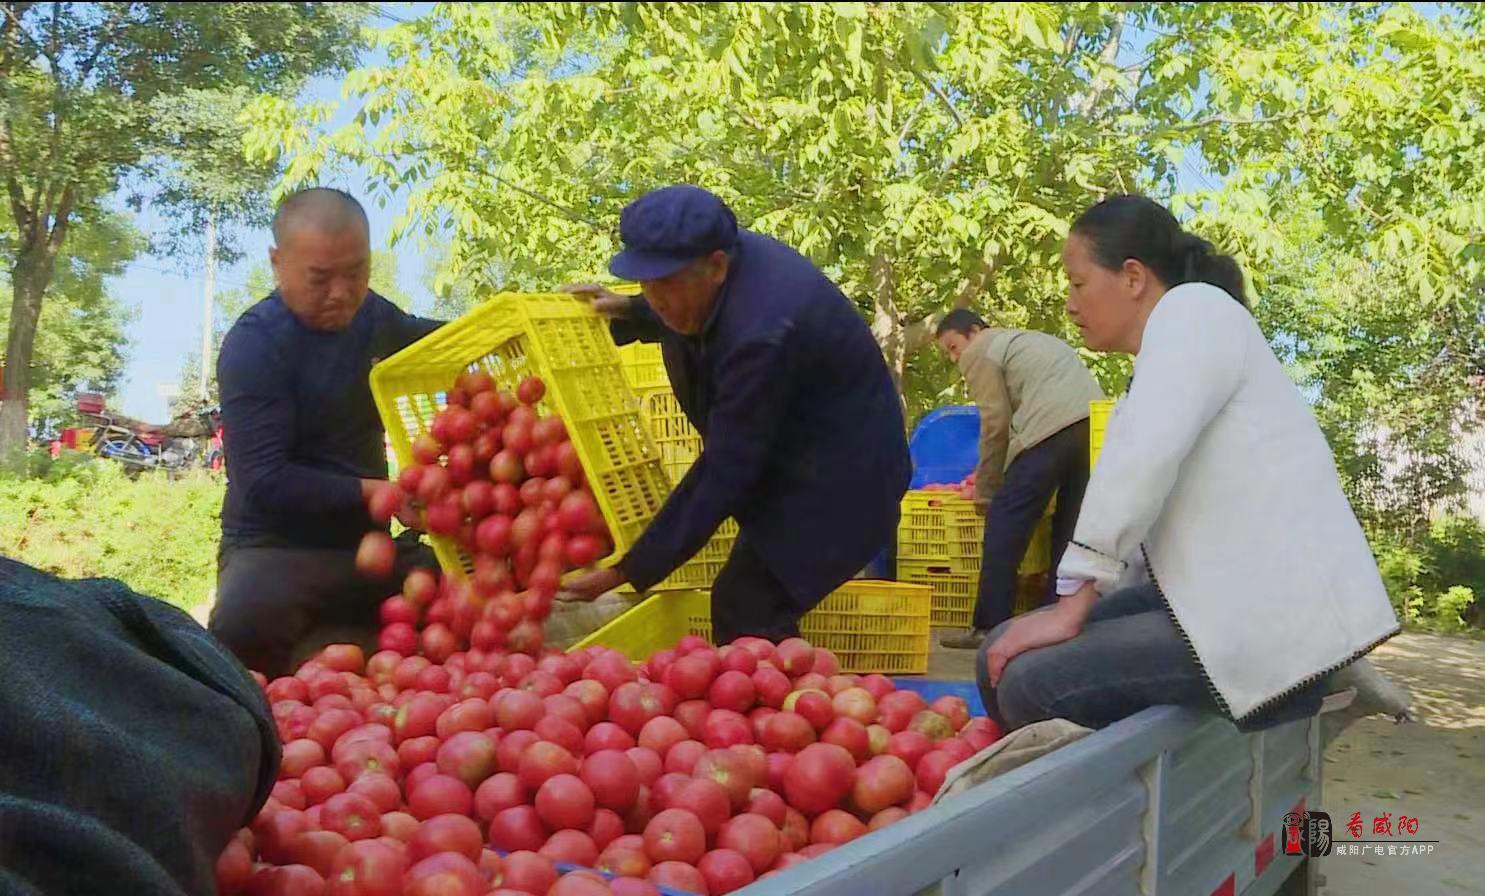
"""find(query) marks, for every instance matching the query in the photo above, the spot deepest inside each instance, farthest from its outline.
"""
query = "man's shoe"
(970, 640)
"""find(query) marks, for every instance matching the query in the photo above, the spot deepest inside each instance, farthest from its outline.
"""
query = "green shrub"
(1435, 577)
(79, 517)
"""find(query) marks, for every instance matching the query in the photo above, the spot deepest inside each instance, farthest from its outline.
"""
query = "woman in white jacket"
(1215, 562)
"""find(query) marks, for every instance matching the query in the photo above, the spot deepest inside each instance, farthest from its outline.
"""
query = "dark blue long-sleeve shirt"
(803, 436)
(300, 427)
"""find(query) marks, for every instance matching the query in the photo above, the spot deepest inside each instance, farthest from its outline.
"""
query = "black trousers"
(747, 599)
(1058, 464)
(278, 605)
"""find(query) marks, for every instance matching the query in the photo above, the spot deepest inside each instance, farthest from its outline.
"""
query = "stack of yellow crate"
(679, 445)
(939, 543)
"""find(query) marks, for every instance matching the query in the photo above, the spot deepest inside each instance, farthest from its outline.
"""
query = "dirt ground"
(1432, 770)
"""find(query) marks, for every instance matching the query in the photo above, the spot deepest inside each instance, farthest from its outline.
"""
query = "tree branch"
(60, 220)
(1106, 56)
(920, 332)
(13, 185)
(10, 13)
(934, 89)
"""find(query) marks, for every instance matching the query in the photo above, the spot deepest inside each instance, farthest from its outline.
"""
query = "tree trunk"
(886, 321)
(29, 279)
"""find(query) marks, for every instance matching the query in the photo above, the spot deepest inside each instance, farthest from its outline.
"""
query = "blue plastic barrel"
(945, 445)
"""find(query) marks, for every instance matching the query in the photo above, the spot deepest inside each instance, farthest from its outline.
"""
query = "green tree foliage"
(81, 339)
(94, 93)
(932, 155)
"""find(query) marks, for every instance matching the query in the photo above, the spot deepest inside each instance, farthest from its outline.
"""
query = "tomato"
(235, 867)
(855, 703)
(733, 690)
(932, 724)
(909, 746)
(530, 390)
(561, 732)
(516, 828)
(445, 874)
(468, 756)
(725, 728)
(663, 732)
(497, 793)
(543, 760)
(317, 850)
(419, 716)
(564, 802)
(932, 769)
(953, 709)
(706, 800)
(440, 795)
(399, 826)
(789, 732)
(725, 870)
(836, 827)
(299, 756)
(795, 657)
(366, 757)
(675, 835)
(517, 710)
(446, 833)
(755, 837)
(729, 770)
(321, 783)
(851, 735)
(571, 847)
(683, 756)
(819, 778)
(624, 862)
(678, 876)
(770, 805)
(352, 815)
(885, 817)
(606, 736)
(529, 872)
(470, 714)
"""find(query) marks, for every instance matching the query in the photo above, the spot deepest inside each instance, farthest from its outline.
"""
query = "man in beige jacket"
(1032, 390)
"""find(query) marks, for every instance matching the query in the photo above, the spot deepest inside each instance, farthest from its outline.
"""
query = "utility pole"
(208, 298)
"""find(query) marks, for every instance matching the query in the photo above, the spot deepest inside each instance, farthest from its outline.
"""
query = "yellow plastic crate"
(871, 626)
(561, 339)
(677, 440)
(955, 592)
(701, 570)
(679, 445)
(1098, 423)
(942, 528)
(644, 366)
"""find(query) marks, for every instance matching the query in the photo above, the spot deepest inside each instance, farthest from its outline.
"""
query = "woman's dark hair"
(1138, 227)
(960, 320)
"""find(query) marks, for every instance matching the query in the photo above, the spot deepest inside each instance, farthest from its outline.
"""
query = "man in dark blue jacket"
(802, 430)
(304, 442)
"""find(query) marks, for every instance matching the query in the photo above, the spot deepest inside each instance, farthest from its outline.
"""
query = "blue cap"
(666, 229)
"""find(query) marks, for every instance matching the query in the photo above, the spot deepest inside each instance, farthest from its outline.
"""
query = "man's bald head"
(321, 209)
(322, 256)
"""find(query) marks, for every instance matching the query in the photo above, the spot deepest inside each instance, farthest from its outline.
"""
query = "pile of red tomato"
(964, 488)
(505, 484)
(493, 772)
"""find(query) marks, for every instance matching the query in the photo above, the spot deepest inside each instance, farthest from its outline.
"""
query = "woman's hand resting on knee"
(1053, 625)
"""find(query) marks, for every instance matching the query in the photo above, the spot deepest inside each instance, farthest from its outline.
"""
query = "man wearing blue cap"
(802, 430)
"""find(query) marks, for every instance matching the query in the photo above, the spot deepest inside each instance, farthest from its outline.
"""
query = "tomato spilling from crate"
(490, 772)
(504, 483)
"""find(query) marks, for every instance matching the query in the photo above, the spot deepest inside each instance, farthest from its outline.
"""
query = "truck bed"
(1170, 802)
